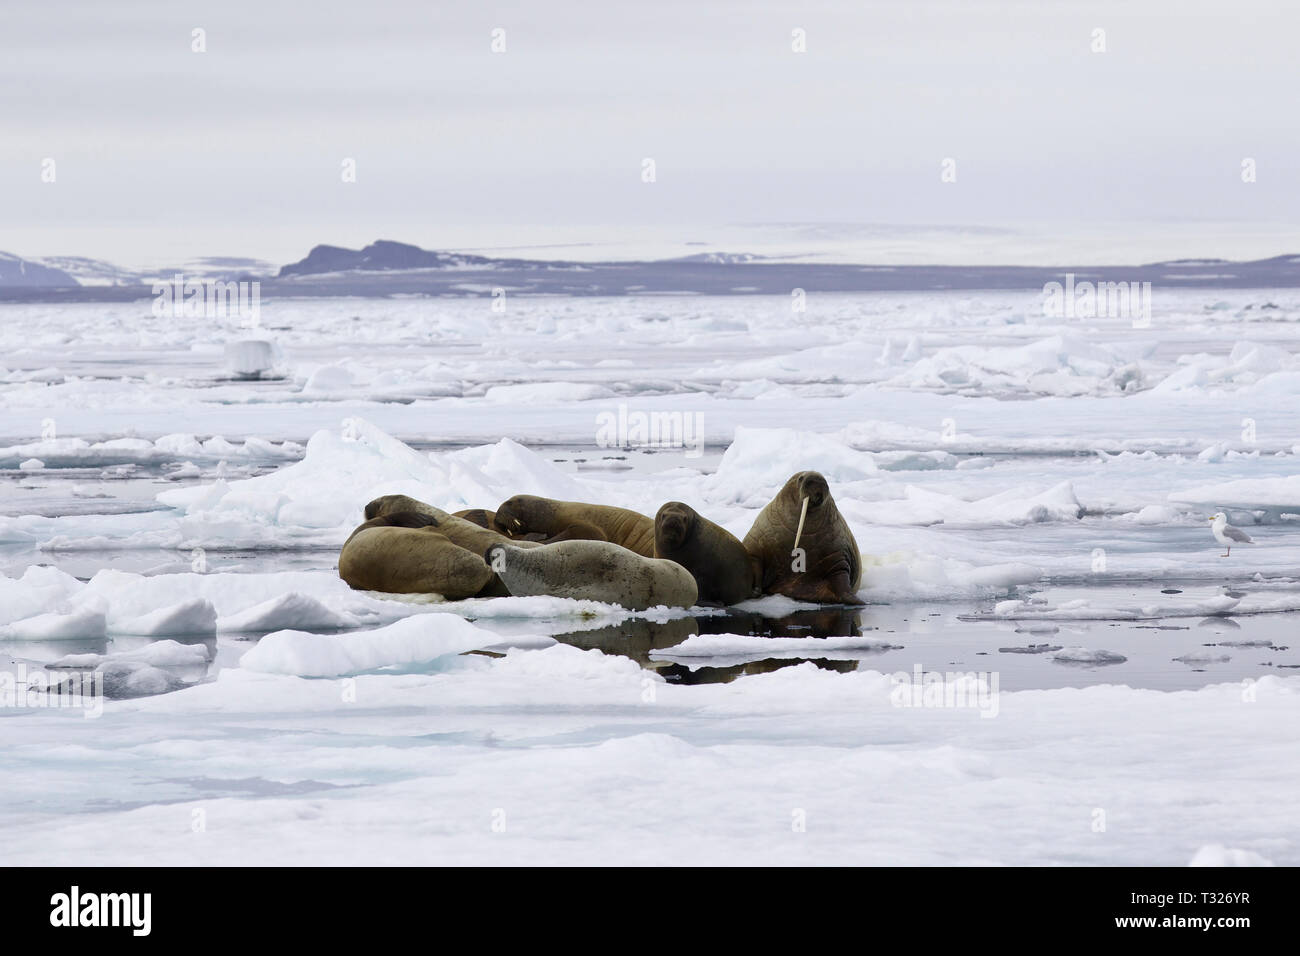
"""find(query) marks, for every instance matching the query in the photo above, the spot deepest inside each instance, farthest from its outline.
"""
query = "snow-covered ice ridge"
(1048, 482)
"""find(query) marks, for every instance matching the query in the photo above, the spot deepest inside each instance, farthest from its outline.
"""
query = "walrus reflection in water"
(639, 638)
(807, 622)
(634, 638)
(804, 546)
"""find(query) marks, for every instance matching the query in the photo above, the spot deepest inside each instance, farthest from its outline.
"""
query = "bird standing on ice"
(1226, 534)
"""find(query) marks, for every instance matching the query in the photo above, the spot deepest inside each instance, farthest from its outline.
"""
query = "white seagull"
(1226, 534)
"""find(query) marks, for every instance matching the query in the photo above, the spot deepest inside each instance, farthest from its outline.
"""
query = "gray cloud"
(239, 149)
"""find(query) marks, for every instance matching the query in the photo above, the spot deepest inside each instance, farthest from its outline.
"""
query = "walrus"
(576, 521)
(460, 527)
(390, 504)
(405, 553)
(479, 516)
(724, 572)
(827, 568)
(594, 571)
(461, 531)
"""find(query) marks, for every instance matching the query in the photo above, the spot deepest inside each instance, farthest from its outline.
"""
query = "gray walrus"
(594, 571)
(404, 553)
(576, 520)
(724, 571)
(827, 567)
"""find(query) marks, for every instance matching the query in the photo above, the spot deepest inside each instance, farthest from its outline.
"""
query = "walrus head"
(811, 485)
(673, 525)
(390, 504)
(521, 515)
(405, 519)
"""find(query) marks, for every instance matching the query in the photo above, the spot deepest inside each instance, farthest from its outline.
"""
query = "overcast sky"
(238, 150)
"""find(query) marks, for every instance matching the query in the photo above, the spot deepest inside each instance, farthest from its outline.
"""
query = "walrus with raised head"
(405, 553)
(575, 521)
(804, 546)
(593, 571)
(724, 571)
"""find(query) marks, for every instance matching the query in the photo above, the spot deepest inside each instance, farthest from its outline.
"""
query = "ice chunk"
(769, 456)
(541, 393)
(156, 653)
(1082, 655)
(86, 623)
(39, 590)
(743, 645)
(125, 679)
(1216, 854)
(194, 617)
(1155, 514)
(249, 358)
(1270, 496)
(1203, 657)
(329, 378)
(421, 638)
(288, 610)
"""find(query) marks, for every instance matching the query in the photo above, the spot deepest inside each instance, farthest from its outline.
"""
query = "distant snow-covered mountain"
(381, 256)
(388, 268)
(26, 273)
(720, 258)
(100, 273)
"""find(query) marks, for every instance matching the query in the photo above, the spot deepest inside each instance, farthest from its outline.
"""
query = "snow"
(1083, 609)
(55, 626)
(1029, 496)
(1216, 854)
(163, 653)
(720, 648)
(1272, 496)
(424, 638)
(293, 608)
(197, 616)
(70, 452)
(768, 456)
(433, 759)
(1057, 365)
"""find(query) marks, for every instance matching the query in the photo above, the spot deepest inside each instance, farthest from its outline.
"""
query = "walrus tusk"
(803, 513)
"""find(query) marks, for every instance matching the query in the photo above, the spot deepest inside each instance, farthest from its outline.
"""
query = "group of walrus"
(800, 546)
